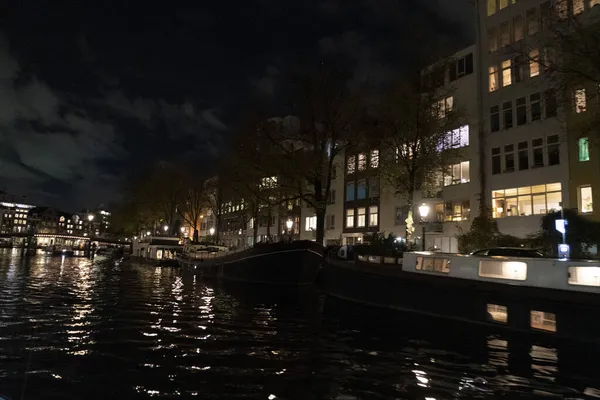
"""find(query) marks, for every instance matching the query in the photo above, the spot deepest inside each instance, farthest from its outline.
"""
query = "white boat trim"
(541, 273)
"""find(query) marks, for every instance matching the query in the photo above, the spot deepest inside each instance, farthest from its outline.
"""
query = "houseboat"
(535, 295)
(284, 263)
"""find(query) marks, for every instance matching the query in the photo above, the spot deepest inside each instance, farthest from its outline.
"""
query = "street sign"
(560, 225)
(564, 251)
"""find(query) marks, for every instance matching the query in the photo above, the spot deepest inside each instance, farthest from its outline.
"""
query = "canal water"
(70, 329)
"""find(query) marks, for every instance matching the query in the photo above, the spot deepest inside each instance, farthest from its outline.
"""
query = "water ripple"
(70, 328)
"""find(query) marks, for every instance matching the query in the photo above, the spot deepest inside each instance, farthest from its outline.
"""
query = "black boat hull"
(463, 300)
(297, 263)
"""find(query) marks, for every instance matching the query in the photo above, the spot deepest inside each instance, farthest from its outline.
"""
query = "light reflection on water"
(83, 330)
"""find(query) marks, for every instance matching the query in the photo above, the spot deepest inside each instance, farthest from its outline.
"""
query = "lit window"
(310, 223)
(457, 173)
(374, 158)
(544, 321)
(491, 7)
(497, 313)
(351, 165)
(361, 217)
(350, 218)
(493, 71)
(511, 270)
(585, 276)
(527, 200)
(580, 101)
(578, 6)
(506, 73)
(362, 161)
(268, 182)
(583, 148)
(456, 138)
(443, 107)
(585, 199)
(373, 215)
(534, 63)
(503, 4)
(433, 264)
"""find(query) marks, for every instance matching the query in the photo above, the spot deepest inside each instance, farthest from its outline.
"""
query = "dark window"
(536, 106)
(361, 192)
(507, 114)
(349, 191)
(521, 111)
(373, 187)
(553, 150)
(494, 119)
(509, 158)
(517, 69)
(538, 152)
(469, 64)
(401, 215)
(523, 156)
(550, 100)
(496, 161)
(460, 67)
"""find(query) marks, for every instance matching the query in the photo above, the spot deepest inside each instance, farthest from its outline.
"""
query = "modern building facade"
(525, 138)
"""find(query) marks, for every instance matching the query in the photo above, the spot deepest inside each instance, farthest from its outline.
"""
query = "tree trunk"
(269, 215)
(409, 223)
(195, 239)
(320, 227)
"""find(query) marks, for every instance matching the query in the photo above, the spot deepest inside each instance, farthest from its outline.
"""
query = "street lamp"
(166, 228)
(148, 233)
(211, 231)
(90, 217)
(289, 224)
(423, 211)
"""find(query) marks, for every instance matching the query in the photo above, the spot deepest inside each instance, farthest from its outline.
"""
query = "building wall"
(525, 143)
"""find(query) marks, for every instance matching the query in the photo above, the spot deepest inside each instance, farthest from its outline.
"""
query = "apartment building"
(451, 206)
(526, 153)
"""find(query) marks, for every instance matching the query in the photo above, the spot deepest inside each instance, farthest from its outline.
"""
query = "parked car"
(509, 252)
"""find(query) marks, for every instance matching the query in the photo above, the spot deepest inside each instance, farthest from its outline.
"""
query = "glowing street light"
(148, 233)
(166, 228)
(289, 224)
(91, 217)
(211, 231)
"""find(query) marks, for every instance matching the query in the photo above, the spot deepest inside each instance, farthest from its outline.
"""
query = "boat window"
(513, 270)
(585, 276)
(545, 321)
(433, 264)
(497, 313)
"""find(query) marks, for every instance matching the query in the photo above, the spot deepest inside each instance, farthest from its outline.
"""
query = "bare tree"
(303, 147)
(412, 121)
(191, 201)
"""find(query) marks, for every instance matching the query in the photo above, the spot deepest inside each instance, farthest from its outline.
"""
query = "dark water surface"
(73, 330)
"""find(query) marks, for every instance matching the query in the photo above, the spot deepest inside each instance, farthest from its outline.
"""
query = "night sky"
(91, 90)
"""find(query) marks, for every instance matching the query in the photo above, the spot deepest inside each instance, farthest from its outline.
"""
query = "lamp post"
(289, 224)
(423, 211)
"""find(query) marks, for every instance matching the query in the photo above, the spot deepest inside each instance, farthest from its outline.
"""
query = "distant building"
(14, 214)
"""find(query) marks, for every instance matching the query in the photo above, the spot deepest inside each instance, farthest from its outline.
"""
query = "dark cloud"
(51, 144)
(88, 93)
